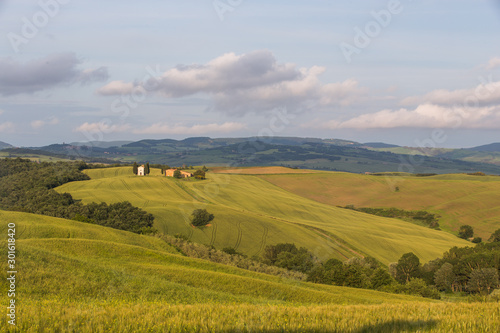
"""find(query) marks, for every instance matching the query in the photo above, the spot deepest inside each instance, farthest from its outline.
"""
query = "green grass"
(458, 198)
(252, 213)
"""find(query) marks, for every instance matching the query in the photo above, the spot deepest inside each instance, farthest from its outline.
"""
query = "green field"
(252, 213)
(459, 199)
(78, 277)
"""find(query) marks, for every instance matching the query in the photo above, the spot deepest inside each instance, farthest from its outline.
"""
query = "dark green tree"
(199, 174)
(380, 278)
(146, 169)
(408, 267)
(177, 174)
(466, 232)
(495, 237)
(483, 280)
(445, 278)
(200, 217)
(134, 168)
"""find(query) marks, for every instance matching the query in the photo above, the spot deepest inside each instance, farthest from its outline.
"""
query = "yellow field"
(252, 213)
(459, 199)
(262, 170)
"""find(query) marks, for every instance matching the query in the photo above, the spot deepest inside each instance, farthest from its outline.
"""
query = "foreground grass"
(102, 316)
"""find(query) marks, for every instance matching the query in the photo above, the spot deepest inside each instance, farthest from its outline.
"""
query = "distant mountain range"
(311, 153)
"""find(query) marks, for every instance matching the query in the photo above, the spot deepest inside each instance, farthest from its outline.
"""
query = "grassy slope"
(459, 199)
(108, 264)
(251, 213)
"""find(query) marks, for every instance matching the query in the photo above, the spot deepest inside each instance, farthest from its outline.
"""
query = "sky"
(412, 72)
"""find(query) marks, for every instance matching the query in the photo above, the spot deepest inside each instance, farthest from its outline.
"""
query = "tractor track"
(264, 239)
(214, 233)
(238, 238)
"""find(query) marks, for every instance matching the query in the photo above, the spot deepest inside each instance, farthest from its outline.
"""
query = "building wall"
(140, 171)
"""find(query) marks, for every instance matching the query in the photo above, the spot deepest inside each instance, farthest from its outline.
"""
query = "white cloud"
(226, 127)
(493, 63)
(41, 123)
(244, 83)
(486, 93)
(45, 73)
(425, 116)
(7, 127)
(103, 127)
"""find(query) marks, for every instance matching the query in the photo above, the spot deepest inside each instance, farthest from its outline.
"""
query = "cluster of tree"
(365, 273)
(27, 186)
(286, 255)
(420, 216)
(467, 232)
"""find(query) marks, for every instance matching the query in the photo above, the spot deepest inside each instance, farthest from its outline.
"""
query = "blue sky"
(404, 72)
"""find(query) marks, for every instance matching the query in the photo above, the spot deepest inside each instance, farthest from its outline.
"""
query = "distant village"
(143, 170)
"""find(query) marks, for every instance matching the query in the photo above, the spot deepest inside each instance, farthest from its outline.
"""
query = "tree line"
(472, 270)
(27, 186)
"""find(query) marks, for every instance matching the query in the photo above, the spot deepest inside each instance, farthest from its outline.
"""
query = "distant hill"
(101, 144)
(379, 145)
(492, 147)
(4, 145)
(305, 153)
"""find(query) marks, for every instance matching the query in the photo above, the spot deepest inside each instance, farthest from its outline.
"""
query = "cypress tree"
(134, 168)
(146, 171)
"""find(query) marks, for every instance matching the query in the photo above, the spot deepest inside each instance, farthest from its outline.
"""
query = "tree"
(477, 240)
(466, 232)
(199, 174)
(483, 280)
(146, 169)
(495, 237)
(177, 174)
(408, 267)
(204, 168)
(200, 217)
(380, 278)
(134, 168)
(445, 278)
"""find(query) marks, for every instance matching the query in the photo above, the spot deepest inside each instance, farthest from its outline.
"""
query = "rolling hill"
(252, 213)
(76, 270)
(87, 278)
(459, 199)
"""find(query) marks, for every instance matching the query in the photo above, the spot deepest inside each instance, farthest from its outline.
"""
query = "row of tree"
(27, 186)
(470, 269)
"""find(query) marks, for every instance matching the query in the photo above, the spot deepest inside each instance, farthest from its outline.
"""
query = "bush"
(200, 217)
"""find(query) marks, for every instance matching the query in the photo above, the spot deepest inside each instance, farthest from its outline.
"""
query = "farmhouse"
(140, 170)
(184, 174)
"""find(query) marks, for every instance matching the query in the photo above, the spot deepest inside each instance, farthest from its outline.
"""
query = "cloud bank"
(252, 82)
(45, 73)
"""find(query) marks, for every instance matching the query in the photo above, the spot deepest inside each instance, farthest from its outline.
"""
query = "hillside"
(4, 145)
(459, 199)
(252, 213)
